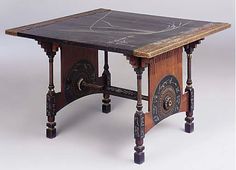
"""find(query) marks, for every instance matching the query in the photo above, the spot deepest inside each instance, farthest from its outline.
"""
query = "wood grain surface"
(129, 33)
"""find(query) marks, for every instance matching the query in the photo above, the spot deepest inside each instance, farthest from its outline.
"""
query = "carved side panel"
(165, 87)
(76, 61)
(70, 55)
(166, 99)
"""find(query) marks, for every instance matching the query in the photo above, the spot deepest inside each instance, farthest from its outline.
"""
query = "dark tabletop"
(129, 33)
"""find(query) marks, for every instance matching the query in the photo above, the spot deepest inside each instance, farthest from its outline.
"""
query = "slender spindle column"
(189, 125)
(106, 106)
(139, 119)
(51, 102)
(50, 50)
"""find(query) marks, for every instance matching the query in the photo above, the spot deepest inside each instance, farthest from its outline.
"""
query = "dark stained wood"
(106, 75)
(189, 125)
(125, 93)
(15, 31)
(51, 104)
(70, 55)
(149, 41)
(139, 117)
(132, 34)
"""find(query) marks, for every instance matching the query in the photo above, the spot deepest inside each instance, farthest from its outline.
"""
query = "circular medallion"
(166, 99)
(82, 70)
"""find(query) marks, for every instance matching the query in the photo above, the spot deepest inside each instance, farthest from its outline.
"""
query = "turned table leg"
(50, 50)
(139, 119)
(51, 101)
(189, 125)
(106, 75)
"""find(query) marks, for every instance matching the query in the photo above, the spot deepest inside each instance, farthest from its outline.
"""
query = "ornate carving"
(51, 113)
(139, 125)
(139, 117)
(106, 75)
(125, 92)
(190, 47)
(50, 49)
(166, 99)
(190, 91)
(51, 103)
(136, 62)
(139, 72)
(189, 125)
(83, 70)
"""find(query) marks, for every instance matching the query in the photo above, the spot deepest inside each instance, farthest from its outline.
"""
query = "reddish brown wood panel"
(71, 54)
(148, 116)
(169, 63)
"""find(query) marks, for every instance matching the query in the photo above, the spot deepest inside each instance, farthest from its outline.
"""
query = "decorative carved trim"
(106, 73)
(139, 117)
(189, 125)
(51, 103)
(190, 91)
(139, 125)
(167, 98)
(83, 70)
(49, 48)
(190, 47)
(117, 91)
(136, 61)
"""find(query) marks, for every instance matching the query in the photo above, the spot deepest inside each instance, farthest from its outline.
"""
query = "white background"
(89, 139)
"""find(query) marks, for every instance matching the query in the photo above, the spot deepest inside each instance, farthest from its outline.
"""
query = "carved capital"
(139, 70)
(189, 48)
(49, 48)
(137, 61)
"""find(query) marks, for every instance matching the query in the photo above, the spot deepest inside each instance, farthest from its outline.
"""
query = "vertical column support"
(139, 117)
(189, 125)
(50, 50)
(106, 106)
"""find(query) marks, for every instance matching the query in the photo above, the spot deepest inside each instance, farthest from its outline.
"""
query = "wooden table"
(147, 41)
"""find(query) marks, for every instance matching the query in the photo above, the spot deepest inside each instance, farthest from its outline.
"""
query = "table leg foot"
(51, 130)
(138, 157)
(51, 133)
(106, 106)
(189, 127)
